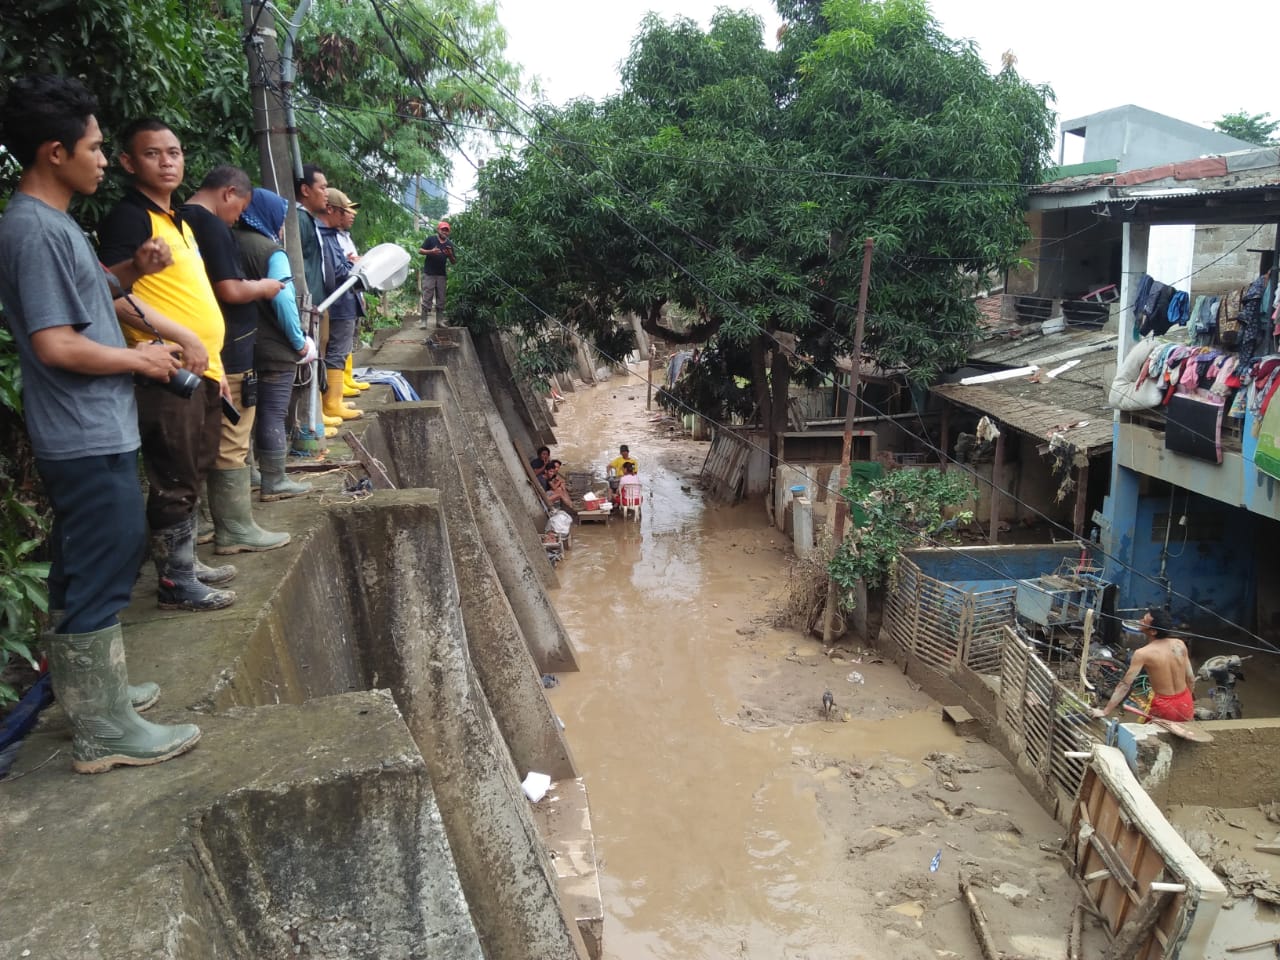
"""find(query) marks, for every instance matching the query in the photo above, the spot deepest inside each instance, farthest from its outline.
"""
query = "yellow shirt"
(616, 464)
(182, 291)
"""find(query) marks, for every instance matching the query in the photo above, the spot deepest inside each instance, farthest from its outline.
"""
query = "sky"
(1193, 63)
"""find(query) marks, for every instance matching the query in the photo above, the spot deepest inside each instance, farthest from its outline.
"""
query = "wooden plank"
(377, 475)
(1131, 939)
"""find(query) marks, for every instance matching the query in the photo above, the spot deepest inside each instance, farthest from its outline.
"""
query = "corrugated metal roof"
(1083, 388)
(1088, 433)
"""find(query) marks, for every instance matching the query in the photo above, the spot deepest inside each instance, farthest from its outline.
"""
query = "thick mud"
(732, 819)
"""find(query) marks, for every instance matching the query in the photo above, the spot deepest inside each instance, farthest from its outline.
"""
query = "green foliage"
(387, 91)
(735, 183)
(140, 58)
(905, 508)
(1256, 128)
(23, 596)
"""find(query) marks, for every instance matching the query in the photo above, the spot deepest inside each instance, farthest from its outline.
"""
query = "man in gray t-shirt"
(78, 401)
(53, 279)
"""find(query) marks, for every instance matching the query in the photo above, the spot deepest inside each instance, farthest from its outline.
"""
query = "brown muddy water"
(731, 820)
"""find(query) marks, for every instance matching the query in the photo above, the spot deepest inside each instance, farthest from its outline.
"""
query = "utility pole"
(275, 135)
(846, 449)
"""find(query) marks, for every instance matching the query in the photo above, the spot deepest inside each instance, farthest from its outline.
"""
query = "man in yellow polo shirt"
(179, 434)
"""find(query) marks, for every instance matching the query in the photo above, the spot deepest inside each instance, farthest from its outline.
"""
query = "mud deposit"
(734, 820)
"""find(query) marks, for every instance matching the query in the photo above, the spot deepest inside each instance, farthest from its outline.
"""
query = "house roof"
(1074, 403)
(1241, 187)
(1033, 417)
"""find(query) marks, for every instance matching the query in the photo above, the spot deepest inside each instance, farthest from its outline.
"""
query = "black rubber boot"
(173, 549)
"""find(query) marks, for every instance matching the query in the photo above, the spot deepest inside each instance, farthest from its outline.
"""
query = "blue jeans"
(99, 537)
(275, 387)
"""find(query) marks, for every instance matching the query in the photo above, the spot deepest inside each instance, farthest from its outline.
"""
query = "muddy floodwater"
(732, 820)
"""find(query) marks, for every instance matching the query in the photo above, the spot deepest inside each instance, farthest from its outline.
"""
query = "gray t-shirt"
(50, 277)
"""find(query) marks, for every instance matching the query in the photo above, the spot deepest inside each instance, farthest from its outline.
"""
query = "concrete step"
(563, 818)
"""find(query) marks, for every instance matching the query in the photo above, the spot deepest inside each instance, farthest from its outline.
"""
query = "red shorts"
(1180, 706)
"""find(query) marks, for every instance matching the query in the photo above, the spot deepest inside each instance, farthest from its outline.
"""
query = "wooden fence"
(946, 627)
(1043, 719)
(942, 625)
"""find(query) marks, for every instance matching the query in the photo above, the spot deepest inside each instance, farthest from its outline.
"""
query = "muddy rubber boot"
(91, 683)
(276, 484)
(223, 572)
(142, 696)
(204, 532)
(255, 475)
(349, 379)
(173, 549)
(232, 506)
(333, 405)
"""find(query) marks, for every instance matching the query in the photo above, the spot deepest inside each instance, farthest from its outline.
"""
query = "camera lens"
(183, 383)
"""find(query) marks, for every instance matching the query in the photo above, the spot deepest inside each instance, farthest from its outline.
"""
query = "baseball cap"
(340, 200)
(443, 225)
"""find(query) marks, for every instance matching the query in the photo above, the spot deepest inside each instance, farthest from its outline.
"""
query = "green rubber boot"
(276, 484)
(142, 696)
(91, 683)
(230, 502)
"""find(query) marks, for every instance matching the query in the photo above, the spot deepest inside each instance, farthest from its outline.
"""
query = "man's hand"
(152, 257)
(268, 289)
(156, 361)
(308, 352)
(224, 390)
(194, 356)
(1098, 713)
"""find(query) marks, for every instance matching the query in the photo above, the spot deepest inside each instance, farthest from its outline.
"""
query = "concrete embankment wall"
(369, 707)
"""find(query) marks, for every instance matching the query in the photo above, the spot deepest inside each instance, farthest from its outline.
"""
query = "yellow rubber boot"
(331, 421)
(349, 386)
(333, 405)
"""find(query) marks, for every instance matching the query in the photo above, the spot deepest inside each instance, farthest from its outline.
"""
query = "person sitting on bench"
(539, 463)
(557, 492)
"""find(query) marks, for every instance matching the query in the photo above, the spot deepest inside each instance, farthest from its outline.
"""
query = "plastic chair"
(630, 500)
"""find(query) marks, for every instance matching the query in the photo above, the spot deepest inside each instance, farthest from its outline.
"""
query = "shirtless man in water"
(1168, 668)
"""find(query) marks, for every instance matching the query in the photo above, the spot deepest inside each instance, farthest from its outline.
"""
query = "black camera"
(182, 384)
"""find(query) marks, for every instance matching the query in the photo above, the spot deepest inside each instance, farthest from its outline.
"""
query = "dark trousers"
(342, 331)
(99, 537)
(275, 387)
(179, 445)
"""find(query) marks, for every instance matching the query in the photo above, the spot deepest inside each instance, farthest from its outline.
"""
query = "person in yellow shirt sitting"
(624, 457)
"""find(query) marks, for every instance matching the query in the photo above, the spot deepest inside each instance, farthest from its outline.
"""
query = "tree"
(733, 184)
(389, 92)
(905, 508)
(1256, 128)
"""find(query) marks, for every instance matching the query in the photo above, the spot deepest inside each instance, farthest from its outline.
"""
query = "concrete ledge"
(325, 829)
(564, 820)
(1242, 754)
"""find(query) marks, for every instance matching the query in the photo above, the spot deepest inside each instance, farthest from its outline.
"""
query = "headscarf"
(265, 213)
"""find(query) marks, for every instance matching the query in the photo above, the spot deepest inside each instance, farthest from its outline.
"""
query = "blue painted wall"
(1219, 573)
(986, 568)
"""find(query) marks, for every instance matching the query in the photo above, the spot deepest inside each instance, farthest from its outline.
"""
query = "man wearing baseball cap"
(346, 213)
(437, 252)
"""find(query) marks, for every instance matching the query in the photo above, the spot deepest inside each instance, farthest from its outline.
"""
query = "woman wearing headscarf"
(281, 343)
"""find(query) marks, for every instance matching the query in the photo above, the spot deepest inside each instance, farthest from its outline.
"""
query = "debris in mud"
(1271, 810)
(947, 768)
(1015, 895)
(855, 677)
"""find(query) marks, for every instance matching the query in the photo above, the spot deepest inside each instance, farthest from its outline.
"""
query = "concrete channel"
(370, 707)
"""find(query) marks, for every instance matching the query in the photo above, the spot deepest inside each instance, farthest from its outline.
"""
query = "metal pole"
(846, 449)
(273, 124)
